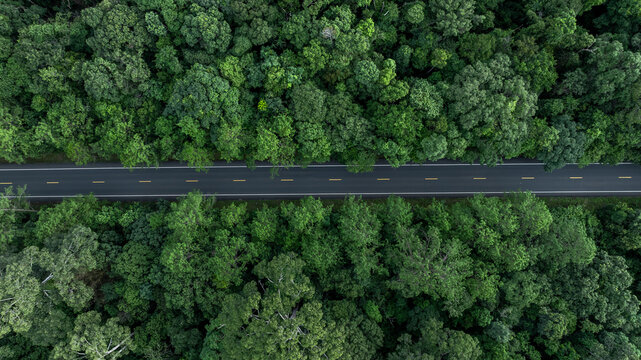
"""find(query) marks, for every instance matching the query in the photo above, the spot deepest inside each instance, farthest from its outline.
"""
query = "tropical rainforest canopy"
(296, 82)
(301, 81)
(484, 278)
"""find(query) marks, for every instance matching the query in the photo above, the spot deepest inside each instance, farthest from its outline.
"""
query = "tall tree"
(276, 317)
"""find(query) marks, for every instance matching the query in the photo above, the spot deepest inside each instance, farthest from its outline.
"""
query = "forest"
(301, 81)
(310, 81)
(509, 278)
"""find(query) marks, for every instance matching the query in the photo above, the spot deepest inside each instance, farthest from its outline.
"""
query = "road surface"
(48, 182)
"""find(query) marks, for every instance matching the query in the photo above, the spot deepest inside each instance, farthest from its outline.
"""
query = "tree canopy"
(287, 82)
(477, 278)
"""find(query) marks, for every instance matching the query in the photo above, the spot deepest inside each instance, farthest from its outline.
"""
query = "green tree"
(436, 342)
(568, 242)
(366, 73)
(19, 291)
(205, 27)
(487, 97)
(599, 294)
(94, 340)
(69, 128)
(454, 18)
(315, 57)
(117, 69)
(424, 96)
(359, 230)
(35, 277)
(280, 319)
(426, 264)
(351, 135)
(309, 112)
(118, 136)
(65, 216)
(415, 12)
(13, 206)
(14, 139)
(533, 215)
(231, 69)
(363, 336)
(621, 225)
(398, 128)
(432, 148)
(205, 106)
(274, 141)
(133, 265)
(569, 147)
(477, 47)
(609, 345)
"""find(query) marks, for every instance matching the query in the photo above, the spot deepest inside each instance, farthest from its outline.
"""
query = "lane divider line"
(335, 179)
(527, 177)
(98, 182)
(144, 181)
(625, 177)
(6, 183)
(271, 166)
(479, 178)
(286, 179)
(576, 177)
(252, 195)
(53, 182)
(239, 180)
(191, 181)
(382, 179)
(431, 178)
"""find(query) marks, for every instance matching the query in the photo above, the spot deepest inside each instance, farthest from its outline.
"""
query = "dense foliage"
(484, 278)
(288, 81)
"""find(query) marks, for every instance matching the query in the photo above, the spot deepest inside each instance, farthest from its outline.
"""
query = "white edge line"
(281, 167)
(354, 193)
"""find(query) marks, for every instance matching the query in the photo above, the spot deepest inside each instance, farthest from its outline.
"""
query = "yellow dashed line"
(98, 182)
(144, 181)
(239, 180)
(527, 177)
(53, 182)
(431, 178)
(335, 179)
(286, 179)
(6, 183)
(191, 181)
(479, 178)
(383, 179)
(576, 177)
(620, 177)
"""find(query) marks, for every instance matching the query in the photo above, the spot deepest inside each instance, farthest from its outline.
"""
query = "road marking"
(53, 182)
(479, 178)
(239, 195)
(335, 179)
(144, 181)
(527, 177)
(6, 183)
(431, 178)
(382, 179)
(239, 180)
(286, 179)
(625, 177)
(576, 177)
(98, 182)
(191, 181)
(271, 166)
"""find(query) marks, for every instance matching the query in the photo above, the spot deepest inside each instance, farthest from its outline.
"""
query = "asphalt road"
(48, 182)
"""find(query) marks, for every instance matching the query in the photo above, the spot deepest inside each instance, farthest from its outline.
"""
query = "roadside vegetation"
(479, 278)
(294, 82)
